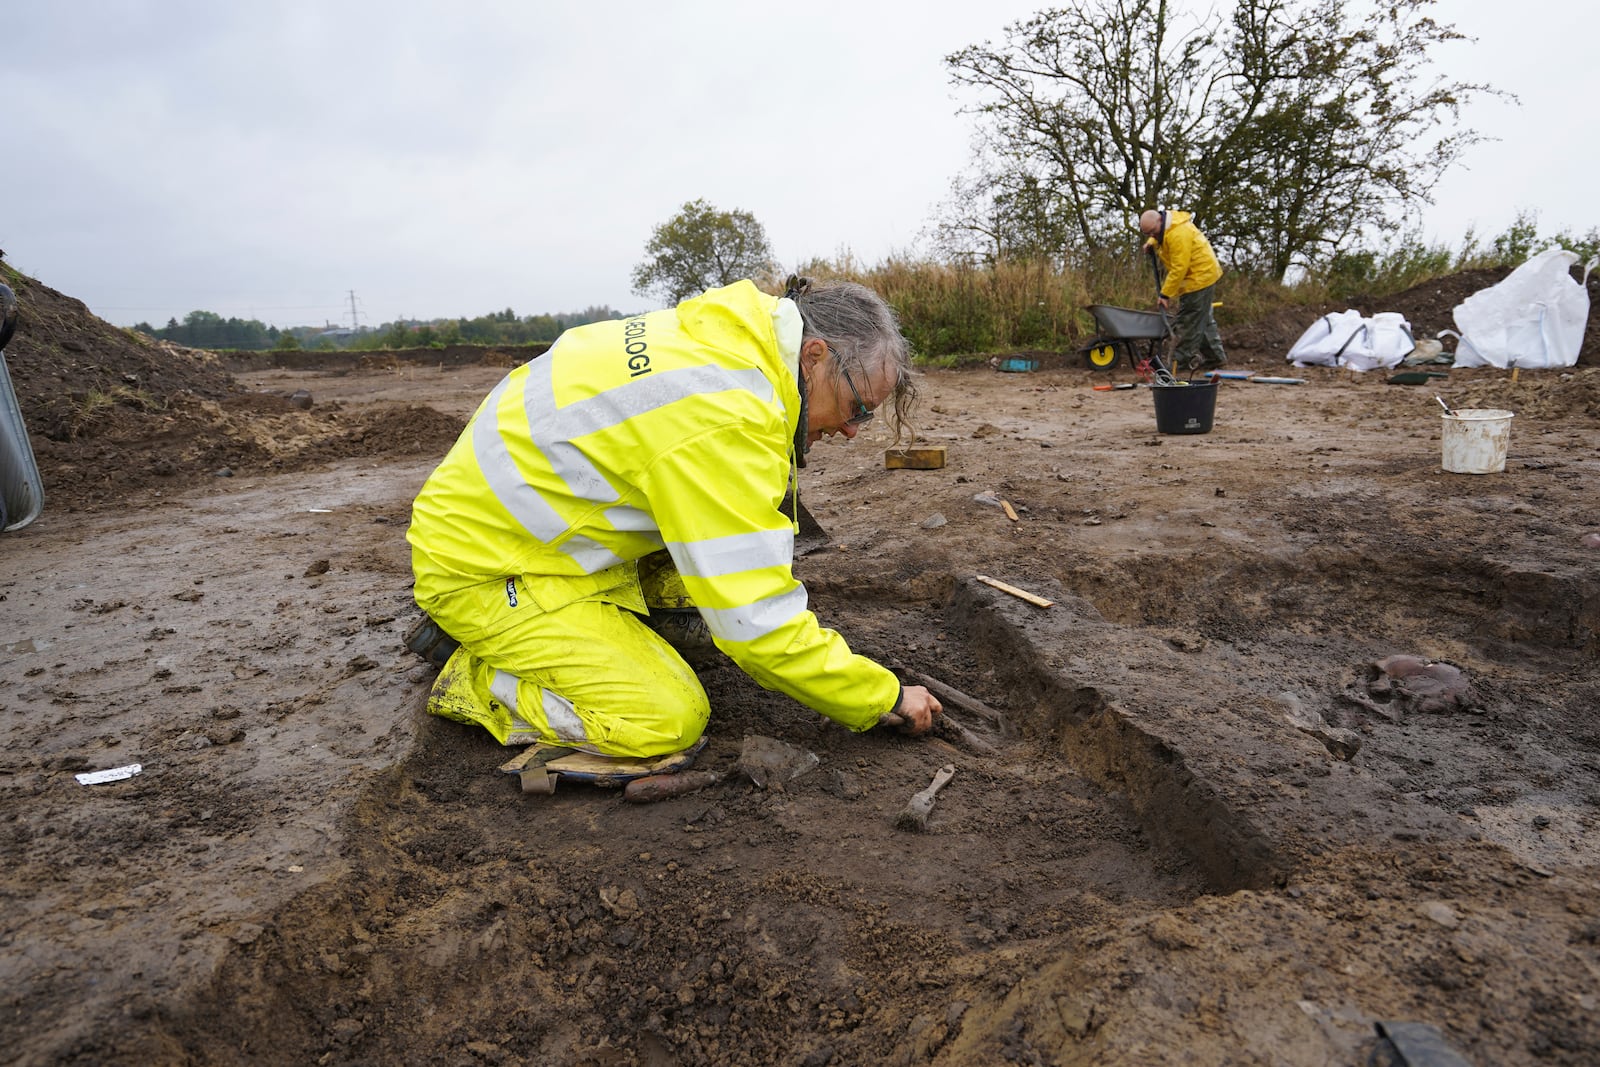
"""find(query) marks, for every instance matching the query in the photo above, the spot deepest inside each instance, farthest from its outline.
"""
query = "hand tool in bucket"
(1160, 373)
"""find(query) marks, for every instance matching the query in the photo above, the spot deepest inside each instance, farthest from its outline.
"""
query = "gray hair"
(864, 334)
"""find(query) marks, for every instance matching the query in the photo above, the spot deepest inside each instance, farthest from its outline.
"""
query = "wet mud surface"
(1211, 831)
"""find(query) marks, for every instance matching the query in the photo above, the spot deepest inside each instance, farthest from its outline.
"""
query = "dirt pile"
(117, 417)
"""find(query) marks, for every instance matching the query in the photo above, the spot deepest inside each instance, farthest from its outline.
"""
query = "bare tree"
(1290, 128)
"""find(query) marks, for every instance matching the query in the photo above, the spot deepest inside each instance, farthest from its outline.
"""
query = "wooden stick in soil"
(949, 694)
(951, 730)
(1020, 594)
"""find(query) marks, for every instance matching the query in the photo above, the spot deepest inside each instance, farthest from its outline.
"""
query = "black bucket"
(1187, 407)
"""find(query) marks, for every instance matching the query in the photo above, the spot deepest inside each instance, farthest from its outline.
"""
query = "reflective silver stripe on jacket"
(751, 621)
(735, 553)
(553, 429)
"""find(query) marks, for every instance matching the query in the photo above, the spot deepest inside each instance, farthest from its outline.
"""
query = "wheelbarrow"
(1132, 336)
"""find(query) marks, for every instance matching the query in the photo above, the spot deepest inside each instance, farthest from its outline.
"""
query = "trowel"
(811, 536)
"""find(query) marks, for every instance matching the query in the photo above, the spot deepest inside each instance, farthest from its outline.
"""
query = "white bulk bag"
(1533, 317)
(1384, 342)
(1346, 339)
(1325, 339)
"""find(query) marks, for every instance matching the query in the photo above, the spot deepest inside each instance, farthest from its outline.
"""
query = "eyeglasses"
(862, 414)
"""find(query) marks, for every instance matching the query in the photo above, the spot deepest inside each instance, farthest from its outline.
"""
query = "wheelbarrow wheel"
(1102, 353)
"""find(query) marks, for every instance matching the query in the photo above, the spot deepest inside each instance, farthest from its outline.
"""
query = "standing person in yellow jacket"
(1192, 272)
(678, 431)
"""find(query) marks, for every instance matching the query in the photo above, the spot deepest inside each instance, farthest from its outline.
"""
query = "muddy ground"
(1210, 831)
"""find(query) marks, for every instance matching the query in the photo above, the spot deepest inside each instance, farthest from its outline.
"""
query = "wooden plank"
(916, 459)
(1011, 512)
(1038, 601)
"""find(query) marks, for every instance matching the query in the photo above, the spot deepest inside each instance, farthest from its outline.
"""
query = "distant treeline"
(952, 310)
(207, 329)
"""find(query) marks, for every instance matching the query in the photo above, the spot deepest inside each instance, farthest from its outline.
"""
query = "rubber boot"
(430, 642)
(673, 614)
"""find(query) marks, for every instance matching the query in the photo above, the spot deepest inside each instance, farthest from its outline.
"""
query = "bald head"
(1150, 223)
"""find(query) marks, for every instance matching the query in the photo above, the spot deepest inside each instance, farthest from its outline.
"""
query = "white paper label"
(115, 774)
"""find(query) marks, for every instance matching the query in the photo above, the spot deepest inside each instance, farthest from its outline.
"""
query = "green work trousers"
(1199, 343)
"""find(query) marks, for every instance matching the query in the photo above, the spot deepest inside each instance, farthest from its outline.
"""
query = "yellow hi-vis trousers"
(588, 674)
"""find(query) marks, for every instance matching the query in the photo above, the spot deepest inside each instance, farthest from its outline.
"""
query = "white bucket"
(1475, 441)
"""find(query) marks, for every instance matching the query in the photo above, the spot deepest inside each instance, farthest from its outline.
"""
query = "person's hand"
(1163, 303)
(915, 714)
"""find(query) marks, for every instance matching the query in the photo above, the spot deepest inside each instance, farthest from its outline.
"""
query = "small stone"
(1077, 1018)
(1169, 932)
(345, 1031)
(247, 934)
(1441, 913)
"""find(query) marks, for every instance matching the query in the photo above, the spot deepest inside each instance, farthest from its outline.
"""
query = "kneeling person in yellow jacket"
(678, 430)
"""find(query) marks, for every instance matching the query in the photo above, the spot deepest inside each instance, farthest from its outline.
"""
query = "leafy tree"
(1519, 240)
(700, 248)
(207, 329)
(1291, 128)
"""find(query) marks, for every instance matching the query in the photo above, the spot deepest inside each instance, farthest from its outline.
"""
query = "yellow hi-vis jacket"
(1187, 255)
(672, 429)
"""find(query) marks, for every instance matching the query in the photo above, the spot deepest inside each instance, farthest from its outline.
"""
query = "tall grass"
(949, 311)
(954, 312)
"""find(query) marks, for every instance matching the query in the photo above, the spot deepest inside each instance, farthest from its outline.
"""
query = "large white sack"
(1325, 340)
(1533, 317)
(1348, 339)
(1384, 341)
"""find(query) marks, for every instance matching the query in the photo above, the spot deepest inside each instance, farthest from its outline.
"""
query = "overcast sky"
(266, 159)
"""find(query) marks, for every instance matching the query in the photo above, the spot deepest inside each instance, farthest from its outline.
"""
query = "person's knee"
(682, 723)
(650, 713)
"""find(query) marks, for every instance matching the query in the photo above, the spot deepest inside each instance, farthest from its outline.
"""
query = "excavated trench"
(736, 925)
(1142, 767)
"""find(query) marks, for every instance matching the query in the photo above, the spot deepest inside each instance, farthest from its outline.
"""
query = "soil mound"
(115, 416)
